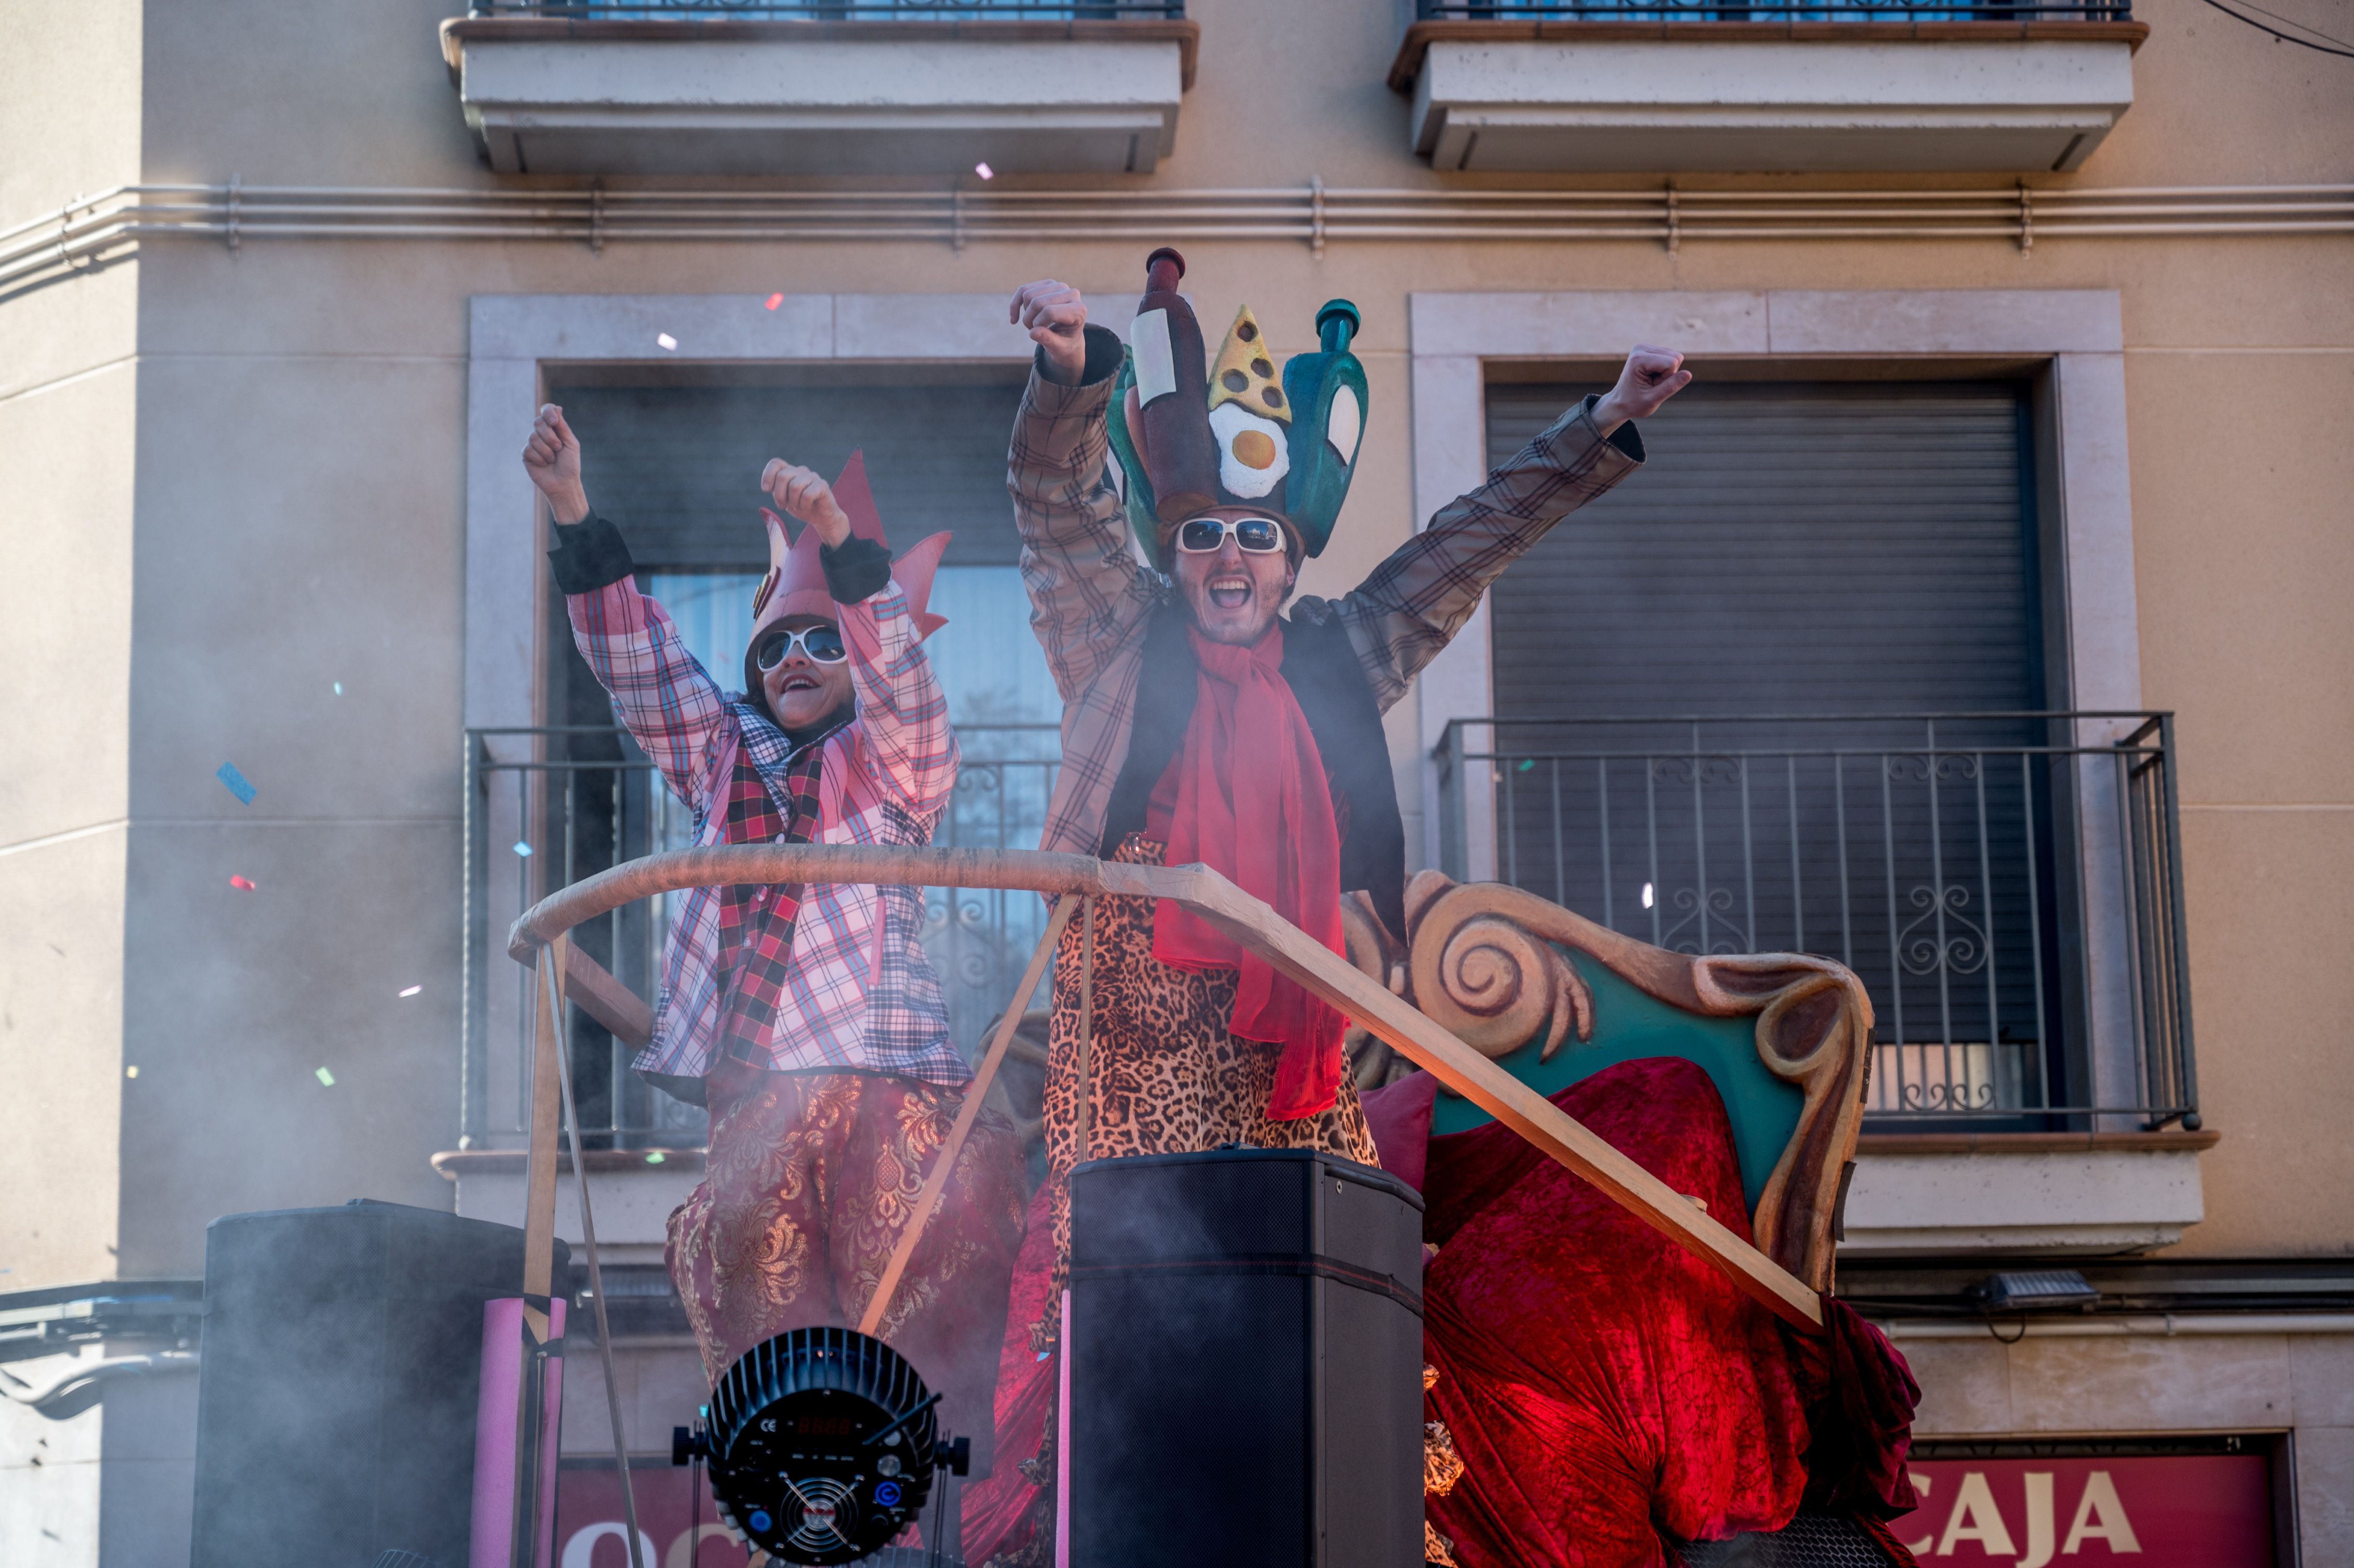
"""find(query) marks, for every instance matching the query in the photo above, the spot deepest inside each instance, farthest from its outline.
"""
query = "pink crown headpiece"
(796, 581)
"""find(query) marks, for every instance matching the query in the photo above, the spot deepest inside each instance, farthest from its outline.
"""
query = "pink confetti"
(985, 170)
(242, 884)
(775, 300)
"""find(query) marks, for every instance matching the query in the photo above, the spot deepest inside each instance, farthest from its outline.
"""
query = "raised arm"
(1089, 594)
(906, 746)
(664, 697)
(1418, 598)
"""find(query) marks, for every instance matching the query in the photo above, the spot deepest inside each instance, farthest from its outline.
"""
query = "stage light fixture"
(822, 1445)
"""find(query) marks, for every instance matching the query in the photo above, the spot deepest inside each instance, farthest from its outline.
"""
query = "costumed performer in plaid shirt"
(807, 1019)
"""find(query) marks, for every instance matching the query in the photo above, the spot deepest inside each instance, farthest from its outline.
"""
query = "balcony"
(829, 87)
(1781, 87)
(545, 808)
(2006, 885)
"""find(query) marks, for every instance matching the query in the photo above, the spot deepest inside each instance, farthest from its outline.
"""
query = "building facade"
(1981, 618)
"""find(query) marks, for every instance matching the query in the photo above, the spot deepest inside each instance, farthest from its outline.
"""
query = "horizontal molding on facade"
(2009, 1329)
(100, 227)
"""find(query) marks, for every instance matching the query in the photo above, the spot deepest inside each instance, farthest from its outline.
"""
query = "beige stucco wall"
(294, 426)
(70, 85)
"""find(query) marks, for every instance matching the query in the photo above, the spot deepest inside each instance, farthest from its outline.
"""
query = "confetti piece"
(235, 783)
(776, 300)
(412, 990)
(1647, 895)
(326, 1079)
(339, 688)
(665, 340)
(985, 170)
(522, 849)
(242, 884)
(130, 1072)
(656, 1158)
(1527, 763)
(1043, 1355)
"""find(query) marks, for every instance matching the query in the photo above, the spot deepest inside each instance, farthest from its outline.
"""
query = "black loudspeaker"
(336, 1400)
(1245, 1345)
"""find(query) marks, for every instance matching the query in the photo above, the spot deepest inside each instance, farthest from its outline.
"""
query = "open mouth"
(1229, 592)
(801, 683)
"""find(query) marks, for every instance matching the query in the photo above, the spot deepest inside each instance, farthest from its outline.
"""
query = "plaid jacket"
(858, 992)
(1090, 596)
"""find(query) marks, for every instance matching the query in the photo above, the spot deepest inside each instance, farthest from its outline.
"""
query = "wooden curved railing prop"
(1367, 1001)
(1484, 964)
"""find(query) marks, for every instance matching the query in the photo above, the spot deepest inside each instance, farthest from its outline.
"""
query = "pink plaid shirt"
(859, 991)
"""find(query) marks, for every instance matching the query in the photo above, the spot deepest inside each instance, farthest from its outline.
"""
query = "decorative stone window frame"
(2073, 338)
(516, 344)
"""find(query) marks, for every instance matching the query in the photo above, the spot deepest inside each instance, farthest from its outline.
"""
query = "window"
(676, 467)
(1774, 695)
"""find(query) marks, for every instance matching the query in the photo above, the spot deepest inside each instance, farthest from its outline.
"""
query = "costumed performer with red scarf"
(807, 1019)
(1201, 724)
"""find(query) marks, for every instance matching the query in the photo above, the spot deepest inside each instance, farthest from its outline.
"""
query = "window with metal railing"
(588, 798)
(833, 10)
(1850, 11)
(2008, 886)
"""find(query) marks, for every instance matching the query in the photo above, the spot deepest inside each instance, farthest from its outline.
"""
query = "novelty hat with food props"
(796, 581)
(1236, 435)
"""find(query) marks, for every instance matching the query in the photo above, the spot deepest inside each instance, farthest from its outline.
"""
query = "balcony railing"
(547, 807)
(1770, 11)
(2008, 886)
(833, 10)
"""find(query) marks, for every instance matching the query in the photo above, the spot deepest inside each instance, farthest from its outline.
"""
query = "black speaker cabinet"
(1245, 1347)
(336, 1400)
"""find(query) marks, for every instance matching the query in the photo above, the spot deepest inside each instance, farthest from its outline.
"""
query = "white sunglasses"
(1253, 536)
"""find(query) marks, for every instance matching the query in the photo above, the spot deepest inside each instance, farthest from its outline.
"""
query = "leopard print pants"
(1163, 1075)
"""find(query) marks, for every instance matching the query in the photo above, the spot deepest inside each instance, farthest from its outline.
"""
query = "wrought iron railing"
(835, 10)
(1772, 11)
(546, 806)
(2008, 886)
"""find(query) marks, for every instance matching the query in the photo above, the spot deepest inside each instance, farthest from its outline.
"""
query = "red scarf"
(1254, 804)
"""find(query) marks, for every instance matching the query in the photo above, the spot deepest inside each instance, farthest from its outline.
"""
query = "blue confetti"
(523, 848)
(339, 688)
(236, 782)
(1530, 763)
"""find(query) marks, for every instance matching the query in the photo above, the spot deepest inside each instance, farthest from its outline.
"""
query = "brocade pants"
(811, 1179)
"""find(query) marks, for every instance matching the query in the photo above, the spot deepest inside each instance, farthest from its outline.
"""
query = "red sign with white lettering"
(2155, 1511)
(589, 1533)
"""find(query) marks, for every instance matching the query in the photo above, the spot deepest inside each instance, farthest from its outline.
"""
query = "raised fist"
(1650, 377)
(799, 494)
(1056, 320)
(551, 457)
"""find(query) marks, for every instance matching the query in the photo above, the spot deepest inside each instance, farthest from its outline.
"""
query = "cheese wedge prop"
(1245, 372)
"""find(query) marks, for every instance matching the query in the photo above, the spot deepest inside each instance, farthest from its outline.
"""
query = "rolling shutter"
(678, 468)
(1853, 549)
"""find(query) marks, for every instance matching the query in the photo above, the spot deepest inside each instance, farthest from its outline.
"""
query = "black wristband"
(1625, 438)
(1104, 352)
(590, 554)
(856, 571)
